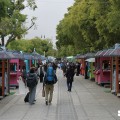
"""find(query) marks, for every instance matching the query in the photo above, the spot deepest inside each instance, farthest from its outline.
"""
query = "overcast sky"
(48, 13)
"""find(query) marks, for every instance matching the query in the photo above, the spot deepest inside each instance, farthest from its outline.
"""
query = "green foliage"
(69, 50)
(89, 25)
(12, 20)
(29, 45)
(3, 7)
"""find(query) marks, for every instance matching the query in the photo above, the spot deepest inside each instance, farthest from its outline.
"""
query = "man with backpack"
(49, 80)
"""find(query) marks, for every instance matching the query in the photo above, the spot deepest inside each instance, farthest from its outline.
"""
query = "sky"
(48, 13)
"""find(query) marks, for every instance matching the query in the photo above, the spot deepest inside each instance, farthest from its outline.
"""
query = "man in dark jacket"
(69, 75)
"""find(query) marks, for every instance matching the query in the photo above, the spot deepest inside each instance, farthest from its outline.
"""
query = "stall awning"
(27, 56)
(18, 55)
(107, 53)
(115, 52)
(4, 55)
(90, 60)
(101, 53)
(89, 55)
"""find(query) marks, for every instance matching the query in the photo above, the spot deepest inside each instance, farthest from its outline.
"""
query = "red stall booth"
(102, 67)
(16, 65)
(84, 64)
(115, 70)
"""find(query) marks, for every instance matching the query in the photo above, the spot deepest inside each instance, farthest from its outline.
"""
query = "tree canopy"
(90, 25)
(12, 20)
(41, 46)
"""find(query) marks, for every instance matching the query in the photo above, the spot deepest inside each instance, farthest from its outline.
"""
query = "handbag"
(43, 92)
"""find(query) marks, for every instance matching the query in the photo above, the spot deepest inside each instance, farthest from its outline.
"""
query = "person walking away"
(49, 80)
(41, 73)
(78, 69)
(31, 84)
(45, 67)
(86, 70)
(70, 76)
(64, 69)
(24, 75)
(54, 67)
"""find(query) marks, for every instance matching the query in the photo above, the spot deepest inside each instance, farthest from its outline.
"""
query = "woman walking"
(69, 75)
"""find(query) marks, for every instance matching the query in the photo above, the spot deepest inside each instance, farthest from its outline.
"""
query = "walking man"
(70, 75)
(49, 80)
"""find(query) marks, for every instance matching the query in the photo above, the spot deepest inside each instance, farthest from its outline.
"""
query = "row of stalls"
(103, 67)
(11, 65)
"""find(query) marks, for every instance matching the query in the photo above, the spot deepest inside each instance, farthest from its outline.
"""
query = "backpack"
(50, 75)
(31, 81)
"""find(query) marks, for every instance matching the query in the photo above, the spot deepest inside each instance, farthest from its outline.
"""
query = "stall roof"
(107, 53)
(78, 56)
(115, 52)
(101, 53)
(36, 55)
(89, 55)
(90, 60)
(97, 54)
(10, 54)
(4, 55)
(28, 56)
(85, 56)
(18, 55)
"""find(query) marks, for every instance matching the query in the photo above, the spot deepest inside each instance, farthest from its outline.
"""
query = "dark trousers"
(69, 85)
(41, 79)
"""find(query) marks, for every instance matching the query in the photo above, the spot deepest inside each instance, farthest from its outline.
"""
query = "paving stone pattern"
(87, 101)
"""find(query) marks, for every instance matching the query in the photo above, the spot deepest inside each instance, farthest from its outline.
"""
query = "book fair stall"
(16, 65)
(4, 73)
(115, 70)
(91, 68)
(102, 68)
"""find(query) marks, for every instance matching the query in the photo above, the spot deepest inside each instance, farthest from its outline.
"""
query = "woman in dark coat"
(69, 75)
(78, 69)
(32, 89)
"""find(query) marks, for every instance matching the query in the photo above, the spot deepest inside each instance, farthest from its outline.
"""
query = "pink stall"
(102, 67)
(16, 65)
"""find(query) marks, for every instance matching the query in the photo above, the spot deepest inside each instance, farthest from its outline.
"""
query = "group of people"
(47, 75)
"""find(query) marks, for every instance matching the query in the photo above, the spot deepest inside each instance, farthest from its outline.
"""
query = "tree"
(3, 5)
(90, 25)
(28, 46)
(12, 24)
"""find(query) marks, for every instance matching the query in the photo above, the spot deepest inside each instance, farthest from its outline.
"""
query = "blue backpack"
(49, 76)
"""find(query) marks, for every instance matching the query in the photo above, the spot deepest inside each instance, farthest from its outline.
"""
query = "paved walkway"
(87, 101)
